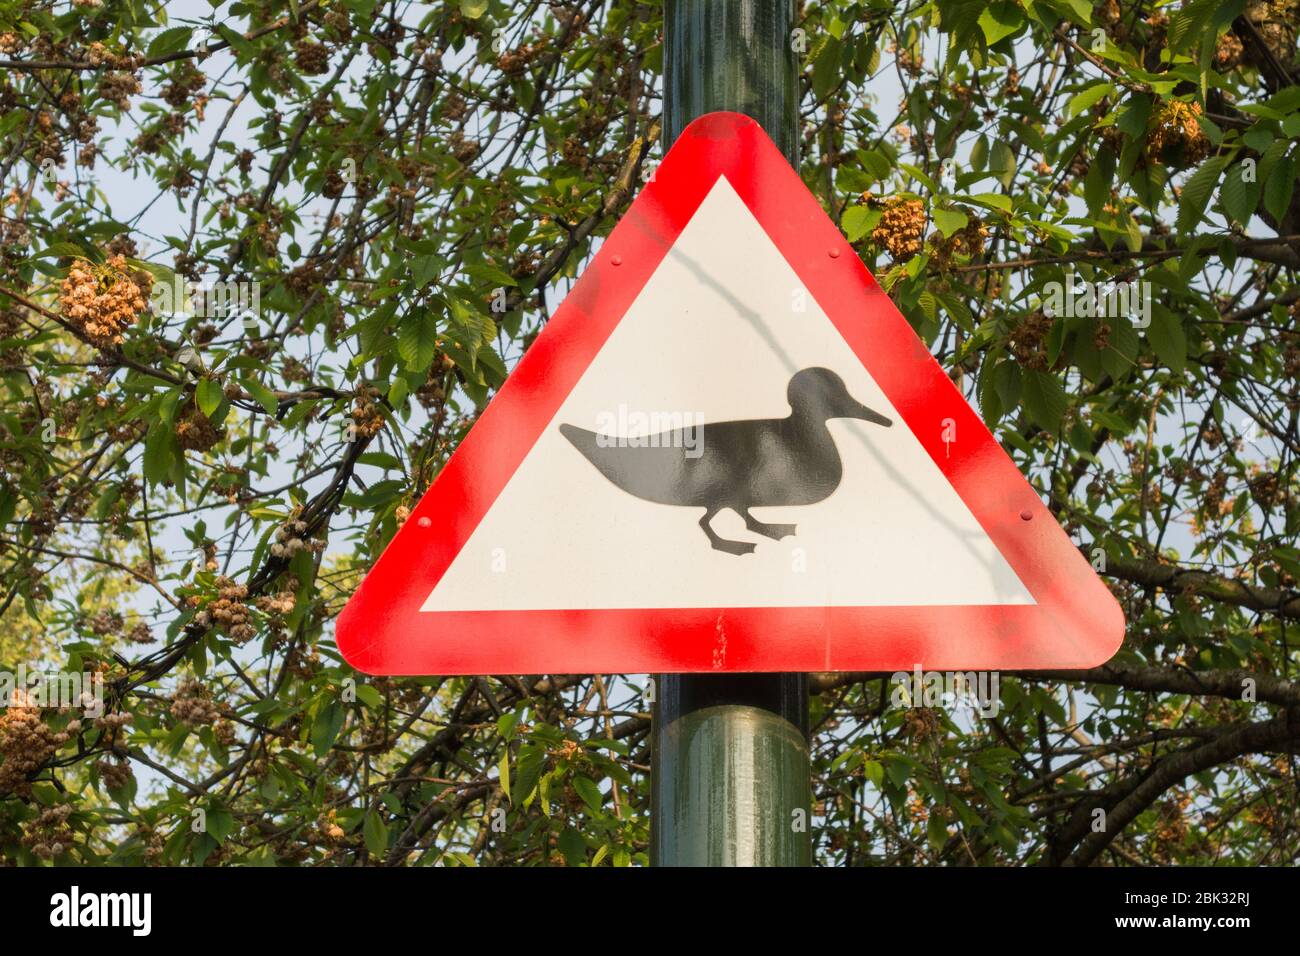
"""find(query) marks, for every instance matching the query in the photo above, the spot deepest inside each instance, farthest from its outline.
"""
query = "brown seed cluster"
(899, 231)
(431, 394)
(97, 54)
(49, 834)
(576, 152)
(463, 149)
(367, 417)
(185, 82)
(293, 370)
(304, 279)
(229, 612)
(26, 742)
(338, 23)
(106, 623)
(111, 723)
(292, 538)
(1101, 336)
(118, 87)
(1227, 52)
(1291, 353)
(195, 431)
(567, 750)
(192, 705)
(514, 62)
(313, 59)
(102, 301)
(116, 774)
(334, 184)
(329, 829)
(1176, 126)
(921, 722)
(1214, 500)
(1029, 339)
(968, 241)
(1275, 22)
(1266, 488)
(908, 58)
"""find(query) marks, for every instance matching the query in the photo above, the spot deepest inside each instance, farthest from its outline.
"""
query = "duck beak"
(867, 415)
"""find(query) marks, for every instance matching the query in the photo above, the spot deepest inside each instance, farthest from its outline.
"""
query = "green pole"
(730, 777)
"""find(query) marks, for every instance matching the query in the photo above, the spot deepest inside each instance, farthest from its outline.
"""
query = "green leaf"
(325, 729)
(1096, 185)
(589, 791)
(1006, 382)
(950, 220)
(1239, 193)
(1167, 339)
(873, 771)
(1197, 191)
(1133, 120)
(219, 823)
(1044, 399)
(424, 326)
(1081, 9)
(528, 769)
(1279, 187)
(59, 250)
(506, 724)
(1002, 163)
(160, 450)
(858, 221)
(425, 269)
(244, 49)
(503, 773)
(486, 272)
(919, 174)
(1188, 23)
(827, 72)
(162, 275)
(209, 396)
(1086, 98)
(990, 201)
(375, 833)
(370, 696)
(263, 395)
(573, 847)
(380, 459)
(937, 831)
(170, 41)
(1000, 19)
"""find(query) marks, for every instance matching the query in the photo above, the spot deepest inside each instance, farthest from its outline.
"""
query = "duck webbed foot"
(773, 531)
(722, 544)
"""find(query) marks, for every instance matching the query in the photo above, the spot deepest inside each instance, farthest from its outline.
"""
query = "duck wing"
(658, 470)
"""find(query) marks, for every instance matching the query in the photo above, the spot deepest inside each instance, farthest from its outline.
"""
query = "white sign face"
(714, 338)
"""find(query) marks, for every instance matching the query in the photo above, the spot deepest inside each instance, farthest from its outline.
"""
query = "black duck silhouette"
(770, 462)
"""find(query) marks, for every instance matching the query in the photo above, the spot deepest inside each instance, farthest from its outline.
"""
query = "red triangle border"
(1077, 622)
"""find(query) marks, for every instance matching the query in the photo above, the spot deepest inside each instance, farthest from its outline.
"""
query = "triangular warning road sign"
(728, 451)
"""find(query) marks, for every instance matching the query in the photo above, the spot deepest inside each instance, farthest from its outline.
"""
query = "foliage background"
(187, 509)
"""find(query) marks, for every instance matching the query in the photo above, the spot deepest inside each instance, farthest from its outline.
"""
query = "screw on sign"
(823, 436)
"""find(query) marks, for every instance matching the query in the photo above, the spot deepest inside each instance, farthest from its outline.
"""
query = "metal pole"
(730, 778)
